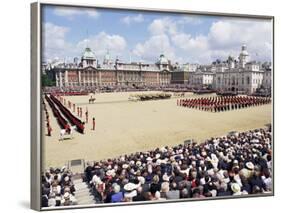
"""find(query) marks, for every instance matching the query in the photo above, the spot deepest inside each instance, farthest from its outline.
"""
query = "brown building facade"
(89, 73)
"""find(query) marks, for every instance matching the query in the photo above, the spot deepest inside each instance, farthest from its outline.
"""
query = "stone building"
(182, 73)
(267, 82)
(91, 73)
(239, 76)
(202, 79)
(236, 75)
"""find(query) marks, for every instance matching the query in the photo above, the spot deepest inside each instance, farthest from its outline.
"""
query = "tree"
(47, 81)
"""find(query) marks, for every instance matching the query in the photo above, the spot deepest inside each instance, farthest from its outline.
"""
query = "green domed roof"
(88, 54)
(162, 59)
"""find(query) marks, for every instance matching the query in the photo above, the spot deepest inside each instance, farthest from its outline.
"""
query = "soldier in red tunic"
(49, 128)
(67, 128)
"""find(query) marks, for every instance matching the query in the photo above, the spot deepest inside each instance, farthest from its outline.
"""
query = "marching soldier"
(94, 123)
(49, 128)
(67, 128)
(86, 115)
(218, 104)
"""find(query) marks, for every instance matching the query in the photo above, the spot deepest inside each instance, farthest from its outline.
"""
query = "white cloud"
(167, 37)
(191, 20)
(70, 12)
(188, 43)
(54, 42)
(65, 11)
(162, 25)
(224, 38)
(153, 47)
(132, 19)
(172, 38)
(92, 13)
(101, 42)
(195, 48)
(172, 26)
(229, 35)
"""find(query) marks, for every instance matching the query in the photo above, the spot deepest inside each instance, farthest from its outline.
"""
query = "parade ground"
(124, 127)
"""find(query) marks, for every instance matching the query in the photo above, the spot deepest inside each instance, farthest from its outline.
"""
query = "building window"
(248, 80)
(233, 81)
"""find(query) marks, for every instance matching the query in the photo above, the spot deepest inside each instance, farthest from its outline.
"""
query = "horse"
(63, 133)
(182, 94)
(133, 98)
(91, 100)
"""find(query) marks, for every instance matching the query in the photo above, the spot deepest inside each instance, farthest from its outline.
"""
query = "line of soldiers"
(49, 128)
(68, 115)
(71, 105)
(223, 103)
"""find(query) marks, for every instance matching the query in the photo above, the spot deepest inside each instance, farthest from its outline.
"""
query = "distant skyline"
(143, 35)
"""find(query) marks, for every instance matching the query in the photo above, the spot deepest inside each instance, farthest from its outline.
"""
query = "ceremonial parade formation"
(238, 163)
(147, 116)
(49, 128)
(223, 103)
(63, 115)
(147, 97)
(60, 119)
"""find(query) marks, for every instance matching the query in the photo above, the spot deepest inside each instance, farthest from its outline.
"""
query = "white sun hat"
(130, 187)
(250, 165)
(235, 187)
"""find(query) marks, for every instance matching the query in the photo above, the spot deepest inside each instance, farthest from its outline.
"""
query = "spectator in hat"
(236, 189)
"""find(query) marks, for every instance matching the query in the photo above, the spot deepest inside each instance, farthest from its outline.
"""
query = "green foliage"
(46, 81)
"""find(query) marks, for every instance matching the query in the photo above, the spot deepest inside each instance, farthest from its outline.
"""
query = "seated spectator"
(58, 188)
(117, 196)
(223, 166)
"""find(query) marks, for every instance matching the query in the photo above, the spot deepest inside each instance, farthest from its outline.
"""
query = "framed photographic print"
(140, 106)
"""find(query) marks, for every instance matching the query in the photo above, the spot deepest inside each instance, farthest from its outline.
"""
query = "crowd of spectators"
(120, 88)
(233, 165)
(57, 188)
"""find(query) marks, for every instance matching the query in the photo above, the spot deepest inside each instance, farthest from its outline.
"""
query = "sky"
(143, 36)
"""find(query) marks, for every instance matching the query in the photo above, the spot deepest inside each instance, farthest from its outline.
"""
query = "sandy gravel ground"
(124, 127)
